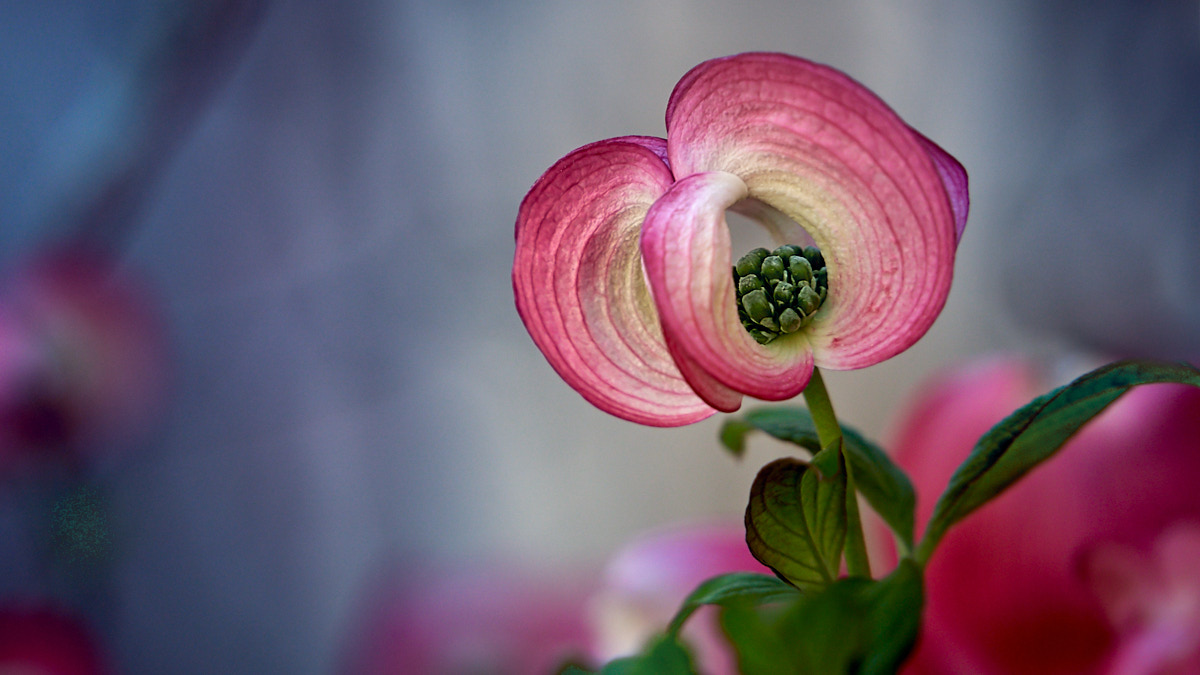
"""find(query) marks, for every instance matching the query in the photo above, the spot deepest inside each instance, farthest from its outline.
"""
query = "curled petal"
(685, 241)
(579, 285)
(954, 179)
(822, 149)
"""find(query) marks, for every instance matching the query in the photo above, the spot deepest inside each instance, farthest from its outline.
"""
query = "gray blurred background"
(322, 197)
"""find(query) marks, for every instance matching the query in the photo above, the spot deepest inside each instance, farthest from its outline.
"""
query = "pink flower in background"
(647, 581)
(1089, 564)
(1153, 600)
(40, 640)
(517, 621)
(468, 621)
(82, 357)
(622, 272)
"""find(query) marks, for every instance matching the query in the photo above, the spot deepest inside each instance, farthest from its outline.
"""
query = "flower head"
(623, 263)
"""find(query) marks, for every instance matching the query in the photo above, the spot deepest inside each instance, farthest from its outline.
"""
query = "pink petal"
(483, 618)
(647, 581)
(819, 147)
(670, 562)
(1153, 600)
(954, 178)
(579, 285)
(685, 241)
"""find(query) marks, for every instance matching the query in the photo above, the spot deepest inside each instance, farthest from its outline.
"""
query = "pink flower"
(623, 262)
(1080, 567)
(451, 621)
(82, 357)
(1152, 599)
(647, 581)
(40, 640)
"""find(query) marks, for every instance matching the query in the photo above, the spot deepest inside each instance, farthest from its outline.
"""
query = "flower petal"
(954, 179)
(685, 244)
(579, 285)
(819, 147)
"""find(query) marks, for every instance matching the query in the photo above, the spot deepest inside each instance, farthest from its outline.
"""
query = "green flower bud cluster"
(779, 291)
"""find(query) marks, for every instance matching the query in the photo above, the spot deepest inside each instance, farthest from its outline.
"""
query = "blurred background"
(305, 211)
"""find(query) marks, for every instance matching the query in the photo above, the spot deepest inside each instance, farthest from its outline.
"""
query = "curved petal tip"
(579, 286)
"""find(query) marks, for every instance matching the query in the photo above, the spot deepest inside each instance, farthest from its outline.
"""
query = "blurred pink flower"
(460, 621)
(82, 356)
(647, 581)
(468, 622)
(1077, 568)
(40, 640)
(1153, 600)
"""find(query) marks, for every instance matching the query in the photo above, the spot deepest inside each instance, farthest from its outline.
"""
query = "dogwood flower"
(622, 272)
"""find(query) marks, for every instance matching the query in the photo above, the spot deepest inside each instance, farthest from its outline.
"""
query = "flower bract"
(623, 272)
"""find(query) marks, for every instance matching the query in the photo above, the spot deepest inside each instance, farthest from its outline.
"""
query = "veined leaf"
(736, 587)
(855, 626)
(796, 518)
(885, 486)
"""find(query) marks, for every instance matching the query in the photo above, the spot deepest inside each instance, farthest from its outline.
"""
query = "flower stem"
(830, 434)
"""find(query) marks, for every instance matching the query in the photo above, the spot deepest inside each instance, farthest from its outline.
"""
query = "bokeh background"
(318, 199)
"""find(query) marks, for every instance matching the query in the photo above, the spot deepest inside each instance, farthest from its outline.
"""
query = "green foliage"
(733, 436)
(796, 518)
(854, 626)
(1032, 434)
(664, 655)
(733, 588)
(885, 486)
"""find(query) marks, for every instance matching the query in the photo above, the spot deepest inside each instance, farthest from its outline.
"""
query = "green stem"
(829, 432)
(821, 409)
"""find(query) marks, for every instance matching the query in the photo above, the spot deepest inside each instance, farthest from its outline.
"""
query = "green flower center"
(779, 291)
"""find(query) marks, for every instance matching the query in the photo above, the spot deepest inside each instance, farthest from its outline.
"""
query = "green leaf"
(733, 436)
(857, 561)
(886, 487)
(894, 605)
(854, 626)
(791, 424)
(733, 588)
(758, 647)
(1033, 434)
(796, 518)
(820, 634)
(663, 656)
